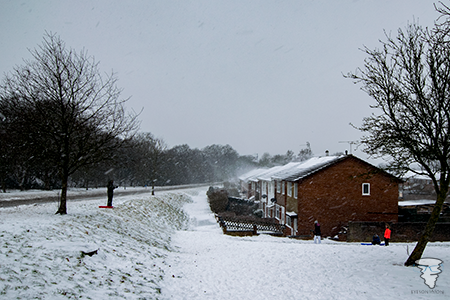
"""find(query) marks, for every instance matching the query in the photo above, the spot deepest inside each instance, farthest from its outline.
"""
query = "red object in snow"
(105, 206)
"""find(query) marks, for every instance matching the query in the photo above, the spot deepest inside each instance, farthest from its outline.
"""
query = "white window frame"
(278, 187)
(295, 190)
(289, 189)
(283, 185)
(364, 193)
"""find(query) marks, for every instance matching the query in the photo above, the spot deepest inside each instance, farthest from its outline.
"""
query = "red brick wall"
(334, 197)
(401, 232)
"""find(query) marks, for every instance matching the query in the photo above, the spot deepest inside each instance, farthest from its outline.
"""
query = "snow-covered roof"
(267, 175)
(292, 171)
(251, 175)
(412, 175)
(416, 202)
(303, 169)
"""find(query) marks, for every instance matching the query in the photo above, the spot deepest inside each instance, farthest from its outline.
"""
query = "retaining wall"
(400, 232)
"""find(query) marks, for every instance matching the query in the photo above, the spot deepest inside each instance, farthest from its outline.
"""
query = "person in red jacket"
(387, 235)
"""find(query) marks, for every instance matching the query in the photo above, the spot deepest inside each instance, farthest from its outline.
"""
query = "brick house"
(259, 185)
(334, 190)
(249, 183)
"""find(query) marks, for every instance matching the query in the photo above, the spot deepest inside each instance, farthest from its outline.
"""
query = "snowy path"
(210, 265)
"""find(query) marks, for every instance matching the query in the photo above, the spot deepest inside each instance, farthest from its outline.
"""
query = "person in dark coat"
(317, 233)
(376, 239)
(110, 188)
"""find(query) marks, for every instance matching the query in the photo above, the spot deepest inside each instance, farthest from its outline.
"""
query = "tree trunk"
(3, 184)
(153, 188)
(22, 177)
(62, 210)
(47, 181)
(429, 229)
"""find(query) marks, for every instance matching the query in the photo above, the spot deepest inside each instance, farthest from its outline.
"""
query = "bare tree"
(305, 153)
(73, 113)
(151, 151)
(409, 79)
(222, 159)
(6, 151)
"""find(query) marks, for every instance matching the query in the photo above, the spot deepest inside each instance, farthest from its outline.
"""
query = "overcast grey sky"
(261, 76)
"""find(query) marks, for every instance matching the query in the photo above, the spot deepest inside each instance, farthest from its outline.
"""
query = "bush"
(218, 200)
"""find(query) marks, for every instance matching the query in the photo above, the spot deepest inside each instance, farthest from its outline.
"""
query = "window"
(282, 187)
(289, 189)
(366, 189)
(278, 187)
(295, 190)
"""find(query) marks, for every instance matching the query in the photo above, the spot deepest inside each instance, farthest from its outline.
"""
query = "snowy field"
(169, 246)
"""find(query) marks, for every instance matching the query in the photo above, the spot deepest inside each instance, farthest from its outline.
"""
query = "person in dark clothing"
(110, 188)
(376, 239)
(317, 233)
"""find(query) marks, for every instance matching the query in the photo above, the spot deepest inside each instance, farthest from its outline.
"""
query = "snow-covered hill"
(169, 246)
(41, 253)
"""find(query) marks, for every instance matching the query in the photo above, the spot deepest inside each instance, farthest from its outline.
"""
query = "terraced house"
(331, 189)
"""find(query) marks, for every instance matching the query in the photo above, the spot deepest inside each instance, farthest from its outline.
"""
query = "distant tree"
(265, 160)
(246, 163)
(18, 151)
(223, 160)
(152, 151)
(305, 153)
(277, 159)
(289, 156)
(199, 170)
(177, 168)
(5, 152)
(281, 159)
(68, 108)
(409, 79)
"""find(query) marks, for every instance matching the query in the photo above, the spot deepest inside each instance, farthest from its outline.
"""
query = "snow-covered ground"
(41, 258)
(169, 246)
(210, 265)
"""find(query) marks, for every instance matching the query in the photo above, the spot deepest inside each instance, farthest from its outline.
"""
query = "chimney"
(327, 153)
(346, 152)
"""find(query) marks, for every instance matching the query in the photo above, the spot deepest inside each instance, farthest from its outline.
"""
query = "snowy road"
(210, 265)
(16, 197)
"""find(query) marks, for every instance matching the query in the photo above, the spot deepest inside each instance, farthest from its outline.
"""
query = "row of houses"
(331, 189)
